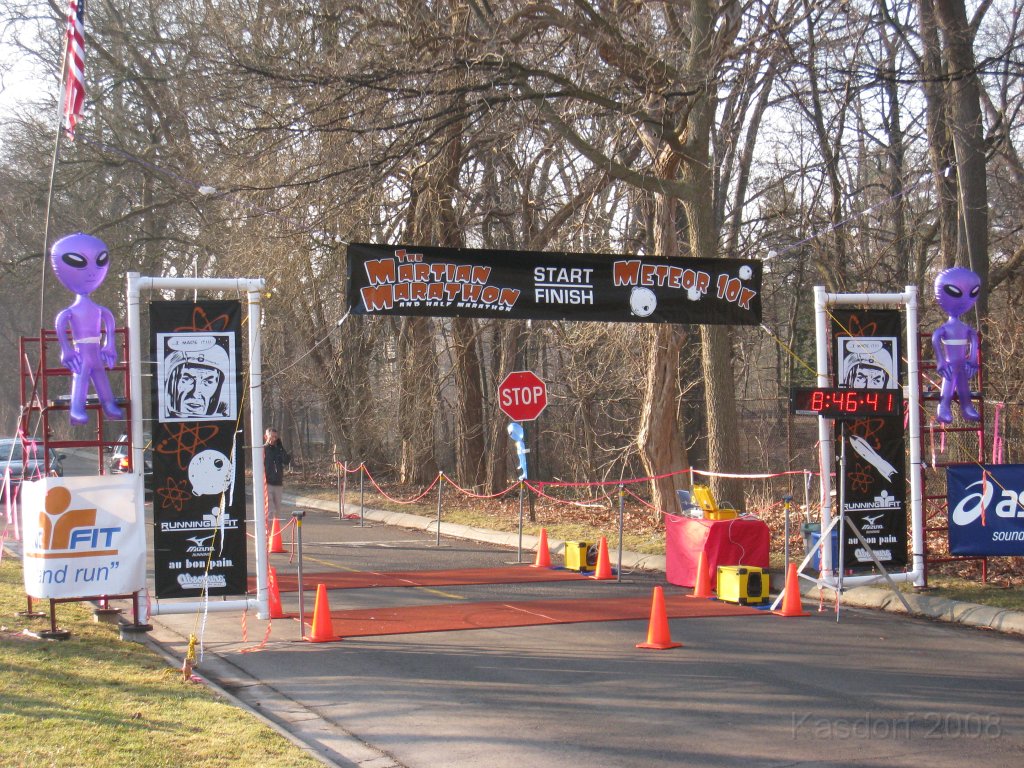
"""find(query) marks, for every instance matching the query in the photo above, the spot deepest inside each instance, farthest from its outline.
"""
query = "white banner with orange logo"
(83, 536)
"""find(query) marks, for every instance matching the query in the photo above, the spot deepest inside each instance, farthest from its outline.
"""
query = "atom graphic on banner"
(185, 440)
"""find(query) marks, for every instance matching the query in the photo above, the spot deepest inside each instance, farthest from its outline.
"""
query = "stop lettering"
(522, 396)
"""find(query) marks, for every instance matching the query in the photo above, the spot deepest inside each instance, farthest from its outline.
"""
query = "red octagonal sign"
(522, 396)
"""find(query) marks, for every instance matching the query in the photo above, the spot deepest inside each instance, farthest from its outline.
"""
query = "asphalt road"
(871, 689)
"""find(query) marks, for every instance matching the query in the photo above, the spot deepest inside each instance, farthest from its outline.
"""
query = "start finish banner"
(531, 285)
(198, 462)
(986, 509)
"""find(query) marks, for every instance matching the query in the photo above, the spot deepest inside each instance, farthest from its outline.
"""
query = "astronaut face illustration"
(210, 473)
(642, 302)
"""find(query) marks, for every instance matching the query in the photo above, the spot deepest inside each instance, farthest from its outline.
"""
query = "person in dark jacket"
(275, 458)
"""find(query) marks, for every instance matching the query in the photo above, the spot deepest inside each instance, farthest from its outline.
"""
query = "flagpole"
(53, 176)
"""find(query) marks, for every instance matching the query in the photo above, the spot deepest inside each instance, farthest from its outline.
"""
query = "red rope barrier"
(539, 486)
(472, 495)
(538, 489)
(644, 503)
(391, 498)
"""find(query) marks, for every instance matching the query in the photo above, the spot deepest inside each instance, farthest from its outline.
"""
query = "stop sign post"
(522, 395)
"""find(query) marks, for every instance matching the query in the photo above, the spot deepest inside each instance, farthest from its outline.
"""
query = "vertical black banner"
(867, 355)
(198, 458)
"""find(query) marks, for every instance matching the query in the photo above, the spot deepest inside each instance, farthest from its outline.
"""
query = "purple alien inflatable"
(80, 262)
(956, 343)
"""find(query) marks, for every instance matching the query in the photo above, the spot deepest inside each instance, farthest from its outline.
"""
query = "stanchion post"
(519, 551)
(622, 506)
(297, 515)
(787, 505)
(440, 485)
(362, 505)
(344, 490)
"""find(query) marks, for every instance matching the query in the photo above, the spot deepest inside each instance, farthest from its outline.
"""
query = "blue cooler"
(812, 534)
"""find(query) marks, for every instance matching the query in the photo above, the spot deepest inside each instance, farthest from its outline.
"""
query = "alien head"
(80, 262)
(956, 290)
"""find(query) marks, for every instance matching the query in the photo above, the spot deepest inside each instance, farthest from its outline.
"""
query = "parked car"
(12, 456)
(120, 460)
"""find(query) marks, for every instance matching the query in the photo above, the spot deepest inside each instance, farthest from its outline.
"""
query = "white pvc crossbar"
(253, 287)
(908, 300)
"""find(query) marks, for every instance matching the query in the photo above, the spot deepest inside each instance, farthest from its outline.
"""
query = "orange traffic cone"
(322, 630)
(658, 636)
(543, 559)
(791, 605)
(702, 588)
(276, 547)
(604, 566)
(274, 595)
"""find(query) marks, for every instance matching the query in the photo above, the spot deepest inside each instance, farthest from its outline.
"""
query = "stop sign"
(522, 396)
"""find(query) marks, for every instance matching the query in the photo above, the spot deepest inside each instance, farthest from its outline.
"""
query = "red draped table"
(741, 541)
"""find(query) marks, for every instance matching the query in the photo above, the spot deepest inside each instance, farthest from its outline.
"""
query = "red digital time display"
(845, 403)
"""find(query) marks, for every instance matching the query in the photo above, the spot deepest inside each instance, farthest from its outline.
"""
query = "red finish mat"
(460, 616)
(516, 574)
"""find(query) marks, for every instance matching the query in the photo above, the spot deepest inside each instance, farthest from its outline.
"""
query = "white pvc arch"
(253, 287)
(908, 300)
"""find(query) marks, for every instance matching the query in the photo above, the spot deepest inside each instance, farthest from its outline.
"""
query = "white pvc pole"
(135, 389)
(914, 425)
(826, 458)
(210, 606)
(256, 431)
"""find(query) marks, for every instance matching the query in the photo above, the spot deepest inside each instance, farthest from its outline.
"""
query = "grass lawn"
(94, 700)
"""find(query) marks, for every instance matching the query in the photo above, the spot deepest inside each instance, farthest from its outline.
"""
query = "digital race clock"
(845, 403)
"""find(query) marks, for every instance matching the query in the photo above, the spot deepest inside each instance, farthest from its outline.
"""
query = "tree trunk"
(940, 145)
(418, 401)
(968, 141)
(659, 437)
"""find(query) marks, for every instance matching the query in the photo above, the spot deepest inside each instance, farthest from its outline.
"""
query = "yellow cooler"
(580, 556)
(742, 584)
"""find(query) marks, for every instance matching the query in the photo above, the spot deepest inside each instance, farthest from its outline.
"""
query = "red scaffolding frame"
(933, 484)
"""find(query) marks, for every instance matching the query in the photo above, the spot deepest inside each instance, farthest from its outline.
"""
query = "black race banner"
(521, 285)
(867, 356)
(198, 462)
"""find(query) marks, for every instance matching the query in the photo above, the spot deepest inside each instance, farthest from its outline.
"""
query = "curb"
(318, 738)
(926, 606)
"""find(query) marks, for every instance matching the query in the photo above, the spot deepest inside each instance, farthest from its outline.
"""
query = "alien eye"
(75, 260)
(953, 291)
(975, 291)
(102, 259)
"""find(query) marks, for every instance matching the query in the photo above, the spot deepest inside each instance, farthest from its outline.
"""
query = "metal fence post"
(519, 552)
(622, 505)
(440, 485)
(362, 506)
(344, 490)
(297, 515)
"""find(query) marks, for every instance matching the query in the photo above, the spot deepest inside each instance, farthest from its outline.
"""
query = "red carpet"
(516, 574)
(461, 616)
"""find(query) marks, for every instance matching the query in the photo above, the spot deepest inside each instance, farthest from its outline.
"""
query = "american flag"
(74, 85)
